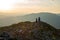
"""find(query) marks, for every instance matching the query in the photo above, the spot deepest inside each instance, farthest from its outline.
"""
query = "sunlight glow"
(25, 6)
(9, 4)
(6, 4)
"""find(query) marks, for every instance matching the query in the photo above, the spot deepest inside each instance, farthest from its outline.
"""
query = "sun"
(6, 4)
(5, 7)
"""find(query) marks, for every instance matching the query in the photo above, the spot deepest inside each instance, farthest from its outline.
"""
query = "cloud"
(34, 2)
(26, 6)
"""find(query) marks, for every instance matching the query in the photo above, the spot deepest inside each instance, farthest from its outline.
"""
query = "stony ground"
(31, 31)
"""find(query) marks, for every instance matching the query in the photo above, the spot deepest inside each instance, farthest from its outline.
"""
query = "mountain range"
(50, 18)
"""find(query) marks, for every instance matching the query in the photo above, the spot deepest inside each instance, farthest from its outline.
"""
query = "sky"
(20, 7)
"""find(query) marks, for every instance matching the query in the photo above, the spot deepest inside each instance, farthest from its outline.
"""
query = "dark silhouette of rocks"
(6, 36)
(37, 30)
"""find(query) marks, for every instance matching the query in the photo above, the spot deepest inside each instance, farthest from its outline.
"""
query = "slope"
(31, 31)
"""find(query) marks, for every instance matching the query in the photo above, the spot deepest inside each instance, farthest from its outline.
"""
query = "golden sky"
(16, 7)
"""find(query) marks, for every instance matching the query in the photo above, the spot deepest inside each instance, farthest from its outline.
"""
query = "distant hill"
(59, 14)
(31, 31)
(50, 18)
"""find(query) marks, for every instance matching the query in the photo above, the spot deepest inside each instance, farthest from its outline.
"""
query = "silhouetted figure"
(36, 20)
(39, 19)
